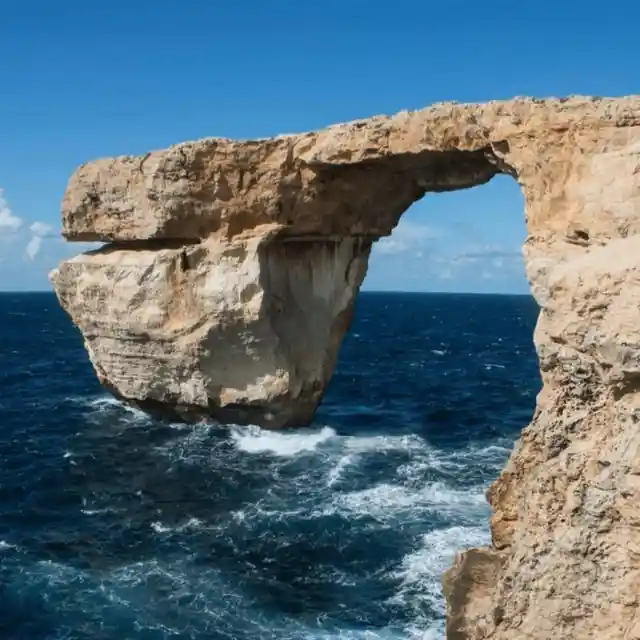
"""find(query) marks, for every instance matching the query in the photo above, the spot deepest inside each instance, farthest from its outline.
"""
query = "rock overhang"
(305, 182)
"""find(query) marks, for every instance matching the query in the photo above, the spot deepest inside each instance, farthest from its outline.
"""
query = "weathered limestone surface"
(246, 330)
(229, 280)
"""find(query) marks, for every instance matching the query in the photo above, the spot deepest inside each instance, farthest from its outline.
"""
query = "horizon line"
(365, 291)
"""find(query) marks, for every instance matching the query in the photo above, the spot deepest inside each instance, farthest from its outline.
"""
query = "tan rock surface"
(230, 280)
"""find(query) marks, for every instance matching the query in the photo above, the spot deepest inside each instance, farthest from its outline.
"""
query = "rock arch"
(228, 283)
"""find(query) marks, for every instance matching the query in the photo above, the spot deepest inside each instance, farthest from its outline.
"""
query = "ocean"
(113, 526)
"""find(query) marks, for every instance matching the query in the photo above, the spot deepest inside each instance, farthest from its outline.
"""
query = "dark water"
(112, 526)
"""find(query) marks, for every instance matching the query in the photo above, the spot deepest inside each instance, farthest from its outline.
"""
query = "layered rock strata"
(228, 280)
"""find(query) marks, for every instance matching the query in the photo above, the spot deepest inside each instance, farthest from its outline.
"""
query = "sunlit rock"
(228, 283)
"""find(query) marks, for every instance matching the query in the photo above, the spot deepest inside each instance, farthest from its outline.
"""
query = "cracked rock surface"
(228, 280)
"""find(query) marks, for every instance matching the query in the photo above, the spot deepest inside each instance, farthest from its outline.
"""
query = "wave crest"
(253, 439)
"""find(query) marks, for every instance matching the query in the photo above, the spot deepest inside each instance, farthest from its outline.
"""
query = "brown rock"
(229, 284)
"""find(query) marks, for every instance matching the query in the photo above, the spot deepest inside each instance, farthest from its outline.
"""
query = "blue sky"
(81, 80)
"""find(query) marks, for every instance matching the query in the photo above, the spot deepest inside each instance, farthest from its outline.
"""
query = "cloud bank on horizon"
(416, 254)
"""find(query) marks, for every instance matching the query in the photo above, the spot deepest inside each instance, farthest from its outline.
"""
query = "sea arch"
(228, 283)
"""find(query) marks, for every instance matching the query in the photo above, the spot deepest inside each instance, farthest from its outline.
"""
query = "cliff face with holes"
(227, 284)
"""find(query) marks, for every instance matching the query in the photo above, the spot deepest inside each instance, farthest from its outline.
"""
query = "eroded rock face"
(245, 331)
(228, 284)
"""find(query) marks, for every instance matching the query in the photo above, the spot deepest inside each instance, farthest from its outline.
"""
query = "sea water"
(113, 526)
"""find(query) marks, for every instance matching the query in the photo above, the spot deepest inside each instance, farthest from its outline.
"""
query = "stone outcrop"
(228, 282)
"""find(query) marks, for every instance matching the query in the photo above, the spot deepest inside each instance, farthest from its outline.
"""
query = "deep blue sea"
(116, 527)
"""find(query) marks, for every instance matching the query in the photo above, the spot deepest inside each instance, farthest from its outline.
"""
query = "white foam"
(358, 634)
(256, 440)
(432, 632)
(421, 571)
(387, 501)
(438, 493)
(5, 546)
(107, 404)
(416, 470)
(366, 444)
(337, 471)
(158, 527)
(257, 510)
(438, 352)
(424, 457)
(489, 450)
(194, 447)
(380, 502)
(492, 457)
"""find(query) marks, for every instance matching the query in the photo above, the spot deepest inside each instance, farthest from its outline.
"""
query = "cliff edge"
(228, 280)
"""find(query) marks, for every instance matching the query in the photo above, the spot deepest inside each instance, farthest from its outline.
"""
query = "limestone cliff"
(228, 282)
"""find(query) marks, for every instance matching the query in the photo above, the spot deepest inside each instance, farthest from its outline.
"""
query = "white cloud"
(407, 236)
(33, 247)
(10, 224)
(489, 262)
(390, 246)
(39, 231)
(498, 255)
(8, 221)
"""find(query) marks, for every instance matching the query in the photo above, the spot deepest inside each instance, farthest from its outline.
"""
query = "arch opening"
(434, 383)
